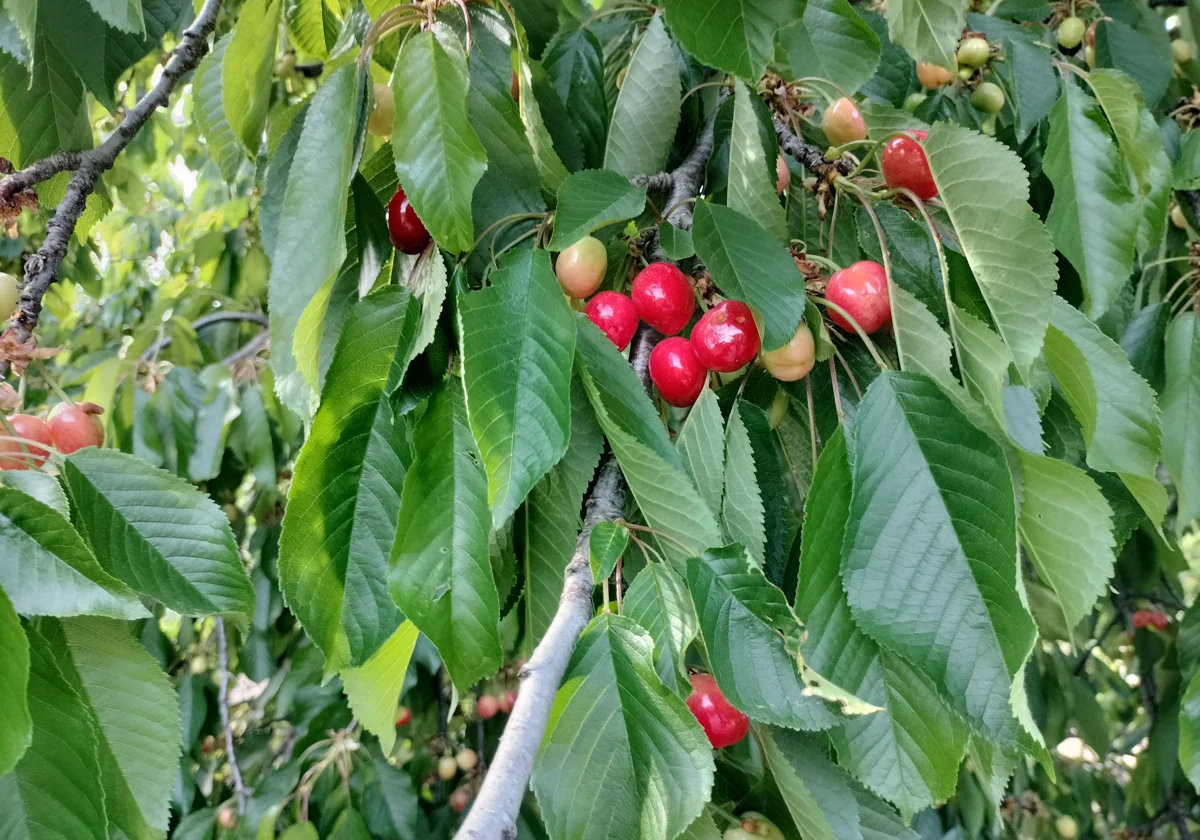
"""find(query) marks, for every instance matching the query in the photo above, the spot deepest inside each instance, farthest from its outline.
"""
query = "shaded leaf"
(927, 29)
(701, 445)
(736, 36)
(16, 726)
(591, 200)
(575, 65)
(1181, 415)
(832, 42)
(223, 144)
(646, 111)
(606, 543)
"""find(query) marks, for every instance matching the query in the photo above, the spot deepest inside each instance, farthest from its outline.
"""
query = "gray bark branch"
(41, 269)
(813, 157)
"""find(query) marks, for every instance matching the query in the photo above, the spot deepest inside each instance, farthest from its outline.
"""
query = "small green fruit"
(1067, 827)
(1089, 55)
(9, 295)
(914, 101)
(1182, 50)
(973, 52)
(965, 73)
(988, 97)
(1070, 33)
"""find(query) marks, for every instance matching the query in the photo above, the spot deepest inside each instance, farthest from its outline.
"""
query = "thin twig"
(201, 323)
(239, 788)
(37, 172)
(41, 269)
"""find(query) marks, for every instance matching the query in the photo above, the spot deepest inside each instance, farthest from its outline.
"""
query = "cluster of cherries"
(69, 429)
(902, 159)
(1150, 618)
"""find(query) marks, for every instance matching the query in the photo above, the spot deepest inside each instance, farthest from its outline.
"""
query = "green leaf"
(658, 600)
(590, 200)
(306, 27)
(909, 752)
(606, 544)
(311, 241)
(158, 533)
(676, 242)
(1181, 415)
(612, 385)
(1093, 218)
(300, 831)
(16, 726)
(339, 525)
(50, 570)
(552, 520)
(1189, 731)
(248, 69)
(1115, 406)
(55, 790)
(223, 144)
(134, 711)
(929, 484)
(701, 445)
(122, 14)
(928, 29)
(646, 112)
(751, 189)
(883, 120)
(620, 744)
(911, 252)
(737, 36)
(1142, 53)
(986, 191)
(1121, 100)
(441, 571)
(753, 640)
(1066, 526)
(751, 265)
(742, 514)
(550, 167)
(575, 65)
(832, 42)
(439, 159)
(38, 485)
(1029, 81)
(983, 360)
(350, 826)
(373, 689)
(518, 342)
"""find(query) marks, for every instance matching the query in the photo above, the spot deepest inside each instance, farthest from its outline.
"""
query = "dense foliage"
(850, 491)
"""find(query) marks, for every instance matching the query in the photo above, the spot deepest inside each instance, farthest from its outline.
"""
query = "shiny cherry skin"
(782, 174)
(723, 724)
(862, 290)
(615, 315)
(676, 372)
(407, 231)
(726, 337)
(1141, 619)
(905, 166)
(403, 716)
(794, 360)
(663, 297)
(487, 707)
(842, 123)
(1159, 620)
(580, 267)
(31, 428)
(74, 427)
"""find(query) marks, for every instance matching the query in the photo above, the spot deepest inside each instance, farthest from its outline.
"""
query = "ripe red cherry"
(723, 724)
(403, 716)
(1159, 620)
(406, 229)
(1141, 618)
(510, 700)
(663, 297)
(676, 372)
(861, 289)
(73, 427)
(487, 707)
(726, 337)
(905, 166)
(615, 315)
(460, 799)
(31, 428)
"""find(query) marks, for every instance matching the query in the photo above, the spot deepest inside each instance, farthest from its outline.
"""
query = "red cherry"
(73, 427)
(723, 724)
(487, 707)
(663, 297)
(460, 799)
(31, 428)
(1159, 620)
(1142, 618)
(861, 289)
(406, 229)
(510, 700)
(676, 371)
(904, 165)
(615, 315)
(726, 337)
(403, 716)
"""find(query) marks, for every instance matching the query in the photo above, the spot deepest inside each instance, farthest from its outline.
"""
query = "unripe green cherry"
(9, 294)
(973, 52)
(914, 101)
(1070, 32)
(1182, 50)
(580, 268)
(1089, 55)
(988, 97)
(1178, 218)
(965, 73)
(1066, 827)
(383, 115)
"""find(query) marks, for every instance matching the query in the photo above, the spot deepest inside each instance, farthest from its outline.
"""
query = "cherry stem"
(1184, 278)
(655, 532)
(858, 329)
(53, 383)
(810, 80)
(511, 245)
(812, 420)
(833, 220)
(837, 394)
(503, 220)
(849, 372)
(702, 85)
(1166, 260)
(619, 586)
(835, 152)
(824, 262)
(676, 206)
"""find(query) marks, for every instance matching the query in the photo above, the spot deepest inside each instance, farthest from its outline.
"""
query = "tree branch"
(205, 321)
(813, 157)
(41, 269)
(239, 788)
